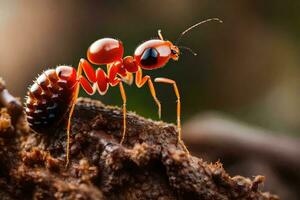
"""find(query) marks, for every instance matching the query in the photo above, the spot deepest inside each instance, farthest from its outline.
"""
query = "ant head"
(174, 49)
(155, 53)
(174, 52)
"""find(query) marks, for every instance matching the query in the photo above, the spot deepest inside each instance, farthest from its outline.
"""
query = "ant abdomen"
(50, 97)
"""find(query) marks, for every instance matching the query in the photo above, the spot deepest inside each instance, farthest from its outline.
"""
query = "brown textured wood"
(149, 165)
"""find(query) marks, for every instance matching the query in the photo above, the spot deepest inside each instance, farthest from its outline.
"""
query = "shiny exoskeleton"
(54, 92)
(50, 97)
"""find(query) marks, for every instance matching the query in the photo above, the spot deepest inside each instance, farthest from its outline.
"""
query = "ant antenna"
(195, 25)
(160, 35)
(189, 49)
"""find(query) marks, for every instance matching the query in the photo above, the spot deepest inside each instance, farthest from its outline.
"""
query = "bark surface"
(149, 165)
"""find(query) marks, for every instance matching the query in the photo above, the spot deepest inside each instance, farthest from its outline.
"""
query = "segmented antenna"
(189, 49)
(195, 25)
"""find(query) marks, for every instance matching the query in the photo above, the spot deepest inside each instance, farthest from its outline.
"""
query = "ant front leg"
(140, 81)
(170, 81)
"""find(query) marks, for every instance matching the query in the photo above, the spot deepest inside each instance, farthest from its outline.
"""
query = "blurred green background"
(247, 67)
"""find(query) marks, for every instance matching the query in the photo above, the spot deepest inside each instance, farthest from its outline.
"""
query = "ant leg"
(123, 94)
(114, 69)
(76, 92)
(88, 70)
(140, 81)
(90, 90)
(128, 79)
(69, 125)
(169, 81)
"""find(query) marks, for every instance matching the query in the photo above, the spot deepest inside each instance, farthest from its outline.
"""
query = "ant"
(55, 91)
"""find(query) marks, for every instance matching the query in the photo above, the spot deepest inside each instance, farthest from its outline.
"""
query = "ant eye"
(149, 57)
(173, 52)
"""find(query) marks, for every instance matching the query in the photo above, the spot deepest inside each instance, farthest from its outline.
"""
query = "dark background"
(247, 68)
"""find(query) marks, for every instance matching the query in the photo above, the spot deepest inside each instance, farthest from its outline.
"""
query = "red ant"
(56, 90)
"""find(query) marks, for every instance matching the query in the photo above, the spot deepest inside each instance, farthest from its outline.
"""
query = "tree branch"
(149, 165)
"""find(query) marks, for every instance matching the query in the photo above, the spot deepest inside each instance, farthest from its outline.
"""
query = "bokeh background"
(247, 68)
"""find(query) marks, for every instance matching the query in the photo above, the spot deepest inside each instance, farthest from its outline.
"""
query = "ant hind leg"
(113, 70)
(123, 94)
(88, 70)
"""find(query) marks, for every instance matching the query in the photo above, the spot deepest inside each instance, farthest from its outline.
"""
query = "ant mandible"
(55, 92)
